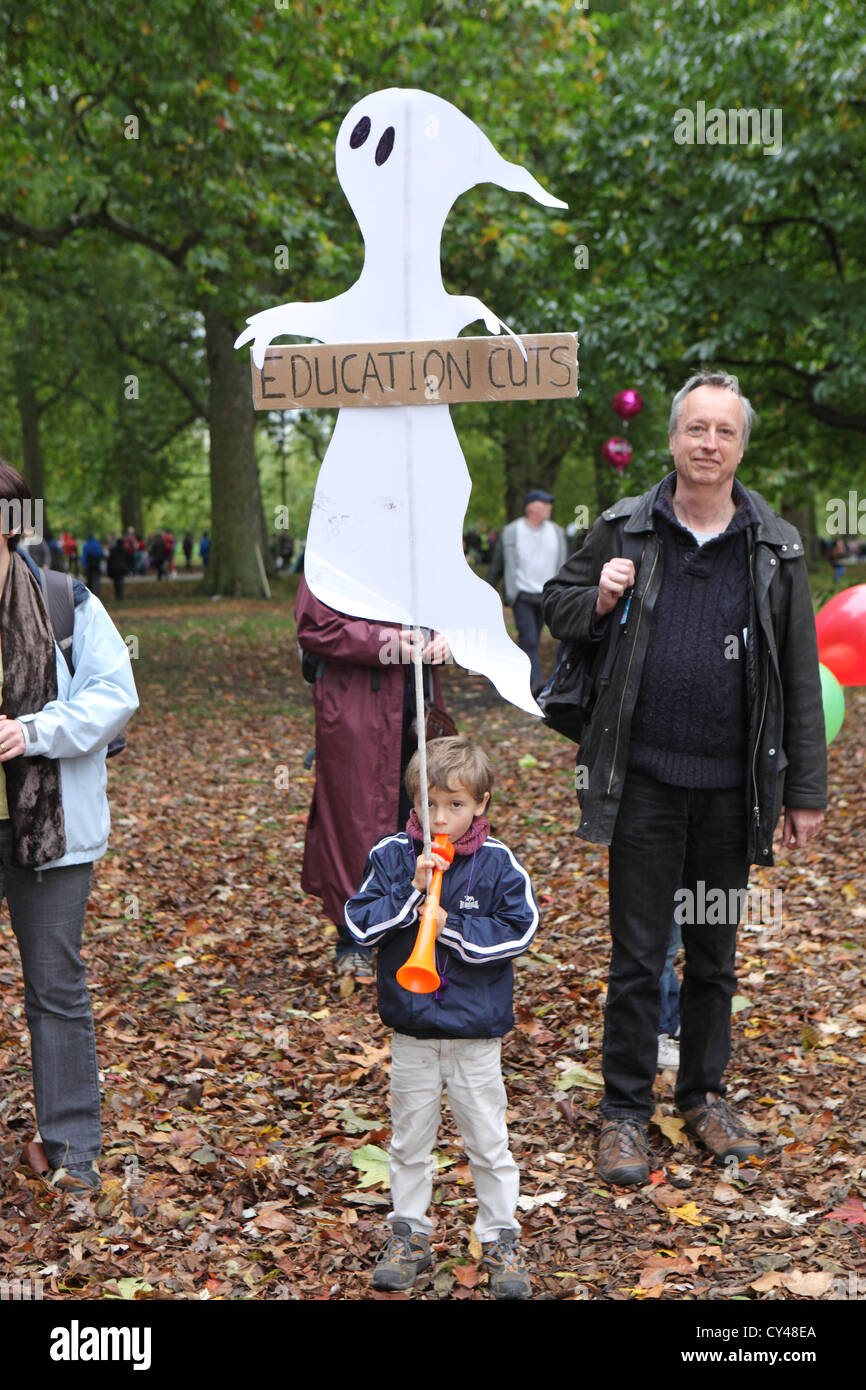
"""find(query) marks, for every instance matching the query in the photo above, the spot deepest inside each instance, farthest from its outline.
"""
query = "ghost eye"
(385, 145)
(360, 133)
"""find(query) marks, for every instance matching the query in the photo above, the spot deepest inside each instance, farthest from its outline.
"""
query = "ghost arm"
(475, 309)
(301, 320)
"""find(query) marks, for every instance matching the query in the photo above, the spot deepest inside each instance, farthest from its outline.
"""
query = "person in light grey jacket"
(54, 822)
(530, 551)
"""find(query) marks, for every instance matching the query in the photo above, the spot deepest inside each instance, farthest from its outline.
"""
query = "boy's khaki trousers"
(470, 1071)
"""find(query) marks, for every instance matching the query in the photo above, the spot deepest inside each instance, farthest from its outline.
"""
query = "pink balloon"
(618, 452)
(628, 403)
(841, 627)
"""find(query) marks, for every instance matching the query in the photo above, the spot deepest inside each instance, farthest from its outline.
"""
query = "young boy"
(452, 1038)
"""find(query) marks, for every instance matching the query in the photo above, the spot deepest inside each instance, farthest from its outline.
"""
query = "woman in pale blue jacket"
(55, 726)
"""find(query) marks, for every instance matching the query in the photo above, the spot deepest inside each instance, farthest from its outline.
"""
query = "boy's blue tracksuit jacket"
(492, 916)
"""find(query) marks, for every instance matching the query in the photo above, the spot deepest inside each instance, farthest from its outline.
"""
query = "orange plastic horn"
(419, 974)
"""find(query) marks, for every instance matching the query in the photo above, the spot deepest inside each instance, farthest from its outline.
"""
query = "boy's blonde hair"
(452, 762)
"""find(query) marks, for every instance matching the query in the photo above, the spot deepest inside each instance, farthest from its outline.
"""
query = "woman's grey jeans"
(47, 911)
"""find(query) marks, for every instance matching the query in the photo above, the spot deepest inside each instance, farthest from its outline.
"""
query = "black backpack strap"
(62, 596)
(633, 547)
(60, 599)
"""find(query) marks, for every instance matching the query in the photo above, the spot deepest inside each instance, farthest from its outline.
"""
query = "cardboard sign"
(417, 373)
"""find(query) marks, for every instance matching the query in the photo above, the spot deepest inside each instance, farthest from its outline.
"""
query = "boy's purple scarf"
(467, 844)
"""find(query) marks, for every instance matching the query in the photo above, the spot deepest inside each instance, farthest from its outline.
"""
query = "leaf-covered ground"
(246, 1092)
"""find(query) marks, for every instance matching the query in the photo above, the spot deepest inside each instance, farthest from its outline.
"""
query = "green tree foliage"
(198, 142)
(726, 254)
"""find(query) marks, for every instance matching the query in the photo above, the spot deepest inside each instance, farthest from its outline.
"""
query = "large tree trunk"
(131, 513)
(33, 470)
(237, 523)
(532, 450)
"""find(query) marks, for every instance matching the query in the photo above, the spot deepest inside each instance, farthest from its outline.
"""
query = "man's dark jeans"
(669, 1018)
(668, 838)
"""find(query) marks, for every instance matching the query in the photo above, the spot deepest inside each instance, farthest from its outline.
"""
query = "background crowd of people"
(117, 556)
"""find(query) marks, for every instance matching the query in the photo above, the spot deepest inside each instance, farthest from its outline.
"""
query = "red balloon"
(628, 403)
(618, 452)
(845, 663)
(841, 627)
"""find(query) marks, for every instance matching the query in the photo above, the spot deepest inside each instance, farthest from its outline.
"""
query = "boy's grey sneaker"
(503, 1260)
(406, 1254)
(81, 1180)
(355, 963)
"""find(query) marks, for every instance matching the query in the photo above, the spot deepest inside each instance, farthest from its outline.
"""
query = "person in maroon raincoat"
(364, 700)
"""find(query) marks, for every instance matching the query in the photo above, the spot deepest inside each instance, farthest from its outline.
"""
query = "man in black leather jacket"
(711, 719)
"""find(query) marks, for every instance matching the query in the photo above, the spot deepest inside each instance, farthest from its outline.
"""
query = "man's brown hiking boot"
(721, 1131)
(623, 1153)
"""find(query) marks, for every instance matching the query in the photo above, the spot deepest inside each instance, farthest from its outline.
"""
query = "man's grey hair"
(729, 383)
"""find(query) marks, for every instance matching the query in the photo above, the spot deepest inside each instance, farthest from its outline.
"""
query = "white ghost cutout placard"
(385, 539)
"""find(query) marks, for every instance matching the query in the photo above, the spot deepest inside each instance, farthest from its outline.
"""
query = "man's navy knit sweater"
(689, 724)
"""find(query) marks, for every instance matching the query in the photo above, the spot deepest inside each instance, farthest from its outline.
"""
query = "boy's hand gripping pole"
(419, 975)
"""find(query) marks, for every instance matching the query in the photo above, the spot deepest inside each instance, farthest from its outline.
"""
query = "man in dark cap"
(530, 551)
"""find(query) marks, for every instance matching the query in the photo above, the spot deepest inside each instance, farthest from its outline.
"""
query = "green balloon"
(834, 702)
